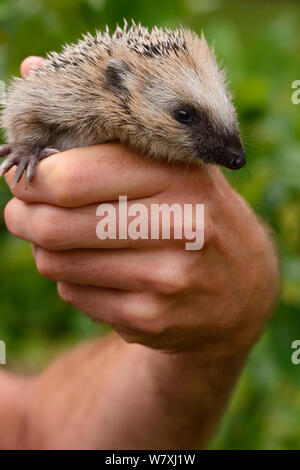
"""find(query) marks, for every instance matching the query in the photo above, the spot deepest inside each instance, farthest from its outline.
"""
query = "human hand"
(153, 292)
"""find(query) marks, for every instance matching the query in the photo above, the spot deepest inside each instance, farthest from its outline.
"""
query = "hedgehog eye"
(184, 115)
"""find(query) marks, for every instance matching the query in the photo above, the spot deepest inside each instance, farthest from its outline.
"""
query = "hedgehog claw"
(34, 159)
(24, 163)
(8, 164)
(21, 167)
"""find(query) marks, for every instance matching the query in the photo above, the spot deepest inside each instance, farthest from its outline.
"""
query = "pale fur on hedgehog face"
(156, 83)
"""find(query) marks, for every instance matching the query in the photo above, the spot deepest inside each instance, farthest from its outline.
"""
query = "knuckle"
(67, 182)
(9, 217)
(171, 278)
(65, 292)
(46, 265)
(209, 230)
(47, 228)
(144, 318)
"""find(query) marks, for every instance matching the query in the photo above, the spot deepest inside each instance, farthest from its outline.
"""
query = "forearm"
(14, 399)
(178, 399)
(111, 395)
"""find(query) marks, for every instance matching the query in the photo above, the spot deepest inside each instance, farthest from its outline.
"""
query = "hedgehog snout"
(230, 158)
(237, 159)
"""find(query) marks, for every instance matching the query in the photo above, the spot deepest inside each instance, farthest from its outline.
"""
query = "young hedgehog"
(159, 91)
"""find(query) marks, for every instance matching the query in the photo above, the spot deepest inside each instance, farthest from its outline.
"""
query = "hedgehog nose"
(237, 159)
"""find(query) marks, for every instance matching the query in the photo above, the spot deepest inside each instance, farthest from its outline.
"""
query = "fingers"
(135, 314)
(58, 228)
(30, 63)
(162, 271)
(87, 175)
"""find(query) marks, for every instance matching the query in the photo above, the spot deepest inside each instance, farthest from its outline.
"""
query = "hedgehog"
(159, 91)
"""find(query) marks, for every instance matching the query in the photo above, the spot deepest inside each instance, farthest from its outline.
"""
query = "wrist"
(193, 387)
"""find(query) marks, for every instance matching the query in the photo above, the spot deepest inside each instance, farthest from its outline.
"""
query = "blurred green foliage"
(260, 44)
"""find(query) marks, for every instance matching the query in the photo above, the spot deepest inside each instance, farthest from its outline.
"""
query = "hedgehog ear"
(116, 73)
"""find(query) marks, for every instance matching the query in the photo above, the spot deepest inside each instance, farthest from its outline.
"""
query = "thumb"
(29, 63)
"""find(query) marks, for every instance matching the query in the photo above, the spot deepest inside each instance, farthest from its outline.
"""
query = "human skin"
(185, 321)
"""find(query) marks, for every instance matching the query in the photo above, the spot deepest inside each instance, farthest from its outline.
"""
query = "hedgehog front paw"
(24, 162)
(5, 149)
